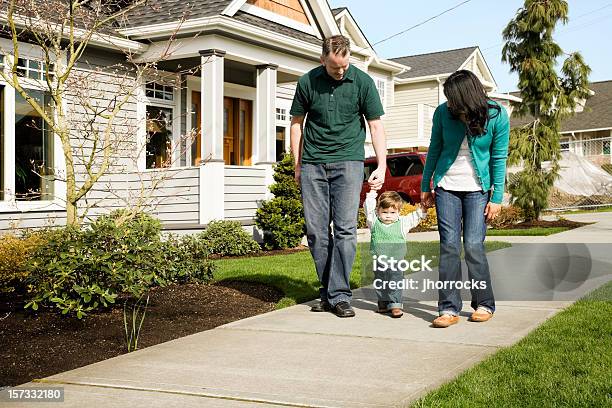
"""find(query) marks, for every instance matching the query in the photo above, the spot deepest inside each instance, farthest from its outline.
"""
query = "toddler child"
(389, 232)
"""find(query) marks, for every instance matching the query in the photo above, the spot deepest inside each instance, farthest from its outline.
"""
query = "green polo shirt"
(335, 127)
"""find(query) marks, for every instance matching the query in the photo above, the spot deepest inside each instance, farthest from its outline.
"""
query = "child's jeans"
(386, 283)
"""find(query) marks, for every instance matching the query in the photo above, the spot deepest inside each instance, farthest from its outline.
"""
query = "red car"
(404, 174)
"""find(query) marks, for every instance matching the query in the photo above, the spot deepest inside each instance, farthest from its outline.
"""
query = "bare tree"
(86, 106)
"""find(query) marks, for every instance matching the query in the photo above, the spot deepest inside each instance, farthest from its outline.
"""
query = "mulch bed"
(547, 224)
(526, 225)
(37, 345)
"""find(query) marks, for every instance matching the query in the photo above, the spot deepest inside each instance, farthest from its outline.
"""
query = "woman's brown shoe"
(396, 312)
(481, 315)
(445, 320)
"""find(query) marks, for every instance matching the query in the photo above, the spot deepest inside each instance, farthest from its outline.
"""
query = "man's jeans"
(330, 193)
(451, 208)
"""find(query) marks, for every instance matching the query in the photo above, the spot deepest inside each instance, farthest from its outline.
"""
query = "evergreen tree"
(282, 218)
(547, 98)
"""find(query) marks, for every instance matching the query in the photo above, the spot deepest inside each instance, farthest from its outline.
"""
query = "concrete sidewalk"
(293, 357)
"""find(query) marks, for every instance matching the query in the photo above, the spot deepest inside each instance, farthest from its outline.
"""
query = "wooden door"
(229, 150)
(245, 132)
(196, 123)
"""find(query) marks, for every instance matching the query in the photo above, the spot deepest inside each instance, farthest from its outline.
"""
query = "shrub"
(282, 218)
(429, 222)
(362, 221)
(14, 254)
(78, 271)
(508, 216)
(227, 238)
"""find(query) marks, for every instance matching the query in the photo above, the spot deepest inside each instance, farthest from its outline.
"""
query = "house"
(588, 132)
(217, 109)
(419, 91)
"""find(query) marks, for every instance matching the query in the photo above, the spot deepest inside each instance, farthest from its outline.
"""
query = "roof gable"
(165, 12)
(434, 63)
(348, 27)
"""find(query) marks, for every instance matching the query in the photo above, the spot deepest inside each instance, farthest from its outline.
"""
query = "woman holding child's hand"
(467, 160)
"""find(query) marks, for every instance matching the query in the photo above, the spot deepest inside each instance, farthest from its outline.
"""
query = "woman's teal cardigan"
(489, 151)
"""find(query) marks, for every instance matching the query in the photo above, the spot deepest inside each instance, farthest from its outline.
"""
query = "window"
(280, 142)
(281, 114)
(368, 169)
(606, 147)
(161, 141)
(381, 85)
(33, 149)
(159, 91)
(159, 137)
(33, 69)
(564, 146)
(404, 166)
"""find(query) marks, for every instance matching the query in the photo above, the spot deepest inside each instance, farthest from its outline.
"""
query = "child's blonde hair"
(389, 199)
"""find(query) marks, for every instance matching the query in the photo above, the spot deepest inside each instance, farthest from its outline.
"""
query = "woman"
(467, 158)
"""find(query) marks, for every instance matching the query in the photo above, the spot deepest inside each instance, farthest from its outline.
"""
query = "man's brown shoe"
(481, 315)
(446, 320)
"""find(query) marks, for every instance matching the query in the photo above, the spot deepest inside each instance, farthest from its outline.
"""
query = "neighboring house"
(588, 132)
(419, 91)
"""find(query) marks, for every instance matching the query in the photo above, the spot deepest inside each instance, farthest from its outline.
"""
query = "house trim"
(286, 21)
(232, 29)
(101, 40)
(584, 130)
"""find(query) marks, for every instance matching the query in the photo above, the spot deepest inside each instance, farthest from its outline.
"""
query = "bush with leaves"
(507, 217)
(282, 218)
(14, 254)
(227, 238)
(429, 222)
(78, 271)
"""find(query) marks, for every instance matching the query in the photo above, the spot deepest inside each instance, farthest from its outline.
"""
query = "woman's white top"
(461, 175)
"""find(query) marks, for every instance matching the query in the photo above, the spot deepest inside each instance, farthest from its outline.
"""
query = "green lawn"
(566, 362)
(295, 275)
(526, 231)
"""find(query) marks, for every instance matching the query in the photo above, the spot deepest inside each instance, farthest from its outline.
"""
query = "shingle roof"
(164, 11)
(272, 26)
(338, 10)
(597, 113)
(434, 63)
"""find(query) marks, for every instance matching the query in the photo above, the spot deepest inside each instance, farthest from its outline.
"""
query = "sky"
(480, 22)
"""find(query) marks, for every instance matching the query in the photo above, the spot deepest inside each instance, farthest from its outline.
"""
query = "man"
(329, 152)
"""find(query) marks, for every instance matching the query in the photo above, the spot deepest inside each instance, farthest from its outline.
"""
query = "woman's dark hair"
(466, 97)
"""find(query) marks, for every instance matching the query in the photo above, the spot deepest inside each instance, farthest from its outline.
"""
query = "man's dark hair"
(337, 44)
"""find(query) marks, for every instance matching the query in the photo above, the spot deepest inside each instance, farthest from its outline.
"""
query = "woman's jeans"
(330, 193)
(451, 208)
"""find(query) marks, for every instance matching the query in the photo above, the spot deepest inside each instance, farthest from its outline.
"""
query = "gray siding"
(245, 188)
(175, 198)
(15, 221)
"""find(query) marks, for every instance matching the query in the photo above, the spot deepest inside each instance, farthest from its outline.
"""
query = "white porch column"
(212, 169)
(265, 146)
(8, 161)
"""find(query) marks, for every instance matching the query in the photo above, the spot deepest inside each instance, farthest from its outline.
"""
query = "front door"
(237, 131)
(196, 117)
